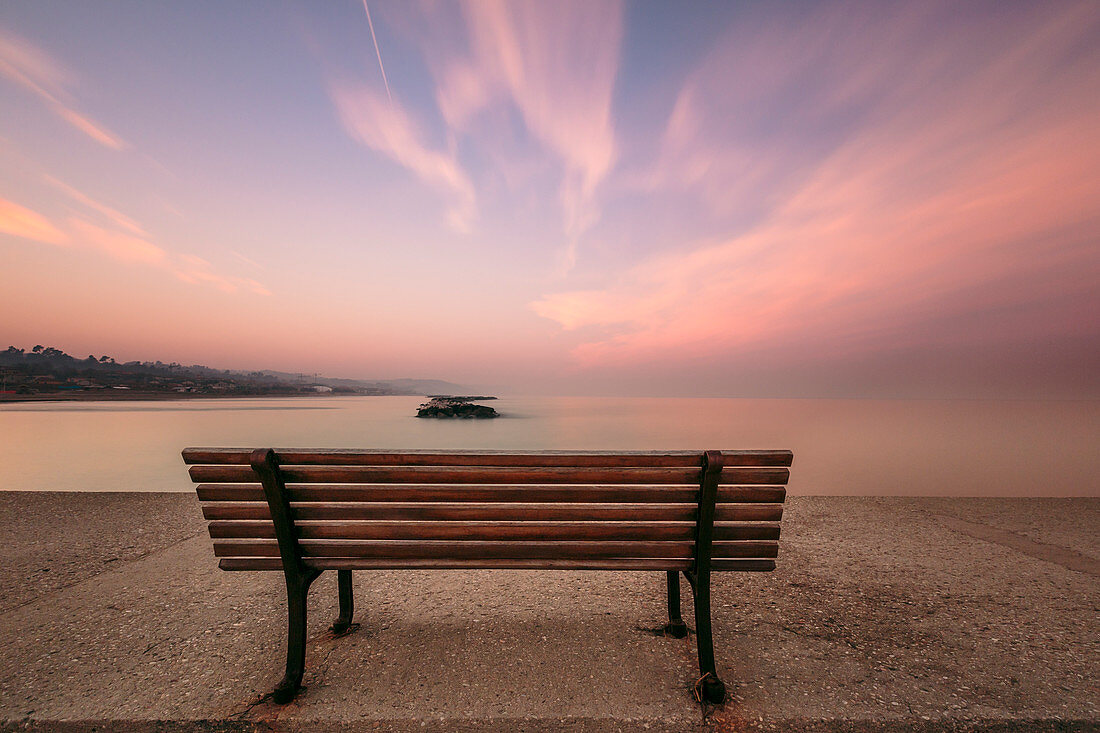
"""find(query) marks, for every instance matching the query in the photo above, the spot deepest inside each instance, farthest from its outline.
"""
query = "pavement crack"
(248, 708)
(321, 666)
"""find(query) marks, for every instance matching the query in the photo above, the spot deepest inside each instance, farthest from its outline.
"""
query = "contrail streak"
(373, 38)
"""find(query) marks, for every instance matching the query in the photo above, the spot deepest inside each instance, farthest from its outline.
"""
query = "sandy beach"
(883, 614)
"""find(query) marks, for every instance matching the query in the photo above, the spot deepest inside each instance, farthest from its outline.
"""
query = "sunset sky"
(742, 199)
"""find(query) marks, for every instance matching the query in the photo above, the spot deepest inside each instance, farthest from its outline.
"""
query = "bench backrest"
(463, 509)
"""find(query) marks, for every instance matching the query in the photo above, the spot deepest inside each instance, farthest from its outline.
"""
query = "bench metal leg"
(343, 623)
(709, 687)
(297, 589)
(265, 464)
(675, 626)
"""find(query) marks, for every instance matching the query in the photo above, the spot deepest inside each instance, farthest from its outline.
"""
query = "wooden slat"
(564, 550)
(246, 529)
(605, 459)
(361, 563)
(463, 475)
(463, 531)
(752, 494)
(458, 550)
(475, 549)
(525, 494)
(235, 510)
(400, 511)
(752, 566)
(225, 529)
(472, 511)
(748, 513)
(231, 492)
(335, 563)
(485, 531)
(746, 531)
(246, 548)
(754, 476)
(483, 475)
(744, 549)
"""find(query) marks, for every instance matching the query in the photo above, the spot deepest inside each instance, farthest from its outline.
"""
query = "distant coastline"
(48, 374)
(138, 396)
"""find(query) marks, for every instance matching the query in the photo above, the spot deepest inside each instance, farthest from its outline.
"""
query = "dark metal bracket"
(675, 626)
(265, 464)
(708, 687)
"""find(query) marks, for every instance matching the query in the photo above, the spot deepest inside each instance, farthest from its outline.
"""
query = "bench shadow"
(390, 661)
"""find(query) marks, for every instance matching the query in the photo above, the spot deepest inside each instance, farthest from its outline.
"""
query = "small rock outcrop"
(462, 407)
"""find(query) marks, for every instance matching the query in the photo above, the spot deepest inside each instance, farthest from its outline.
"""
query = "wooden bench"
(307, 511)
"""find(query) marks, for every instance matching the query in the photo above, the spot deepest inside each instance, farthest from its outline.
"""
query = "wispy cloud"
(551, 66)
(19, 221)
(388, 128)
(557, 63)
(958, 186)
(122, 247)
(117, 245)
(111, 214)
(35, 71)
(247, 260)
(194, 270)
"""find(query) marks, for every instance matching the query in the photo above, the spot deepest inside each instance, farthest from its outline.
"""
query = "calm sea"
(887, 447)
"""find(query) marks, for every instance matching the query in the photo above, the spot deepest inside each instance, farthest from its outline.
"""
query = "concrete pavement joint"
(1067, 558)
(113, 568)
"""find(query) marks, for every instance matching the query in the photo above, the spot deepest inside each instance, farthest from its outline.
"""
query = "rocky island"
(452, 406)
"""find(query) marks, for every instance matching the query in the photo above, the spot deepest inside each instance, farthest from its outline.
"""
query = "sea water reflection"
(888, 447)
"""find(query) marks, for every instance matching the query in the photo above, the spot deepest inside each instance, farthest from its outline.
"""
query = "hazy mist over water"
(886, 447)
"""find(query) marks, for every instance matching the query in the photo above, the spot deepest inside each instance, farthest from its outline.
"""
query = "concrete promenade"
(884, 614)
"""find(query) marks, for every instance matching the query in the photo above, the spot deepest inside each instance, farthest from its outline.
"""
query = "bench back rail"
(365, 509)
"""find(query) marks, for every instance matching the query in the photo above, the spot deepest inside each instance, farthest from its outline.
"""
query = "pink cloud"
(195, 270)
(122, 247)
(388, 128)
(113, 215)
(961, 190)
(557, 62)
(553, 63)
(35, 71)
(116, 245)
(92, 129)
(189, 268)
(22, 222)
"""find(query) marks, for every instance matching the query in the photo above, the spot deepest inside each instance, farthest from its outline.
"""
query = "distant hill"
(46, 371)
(427, 386)
(398, 386)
